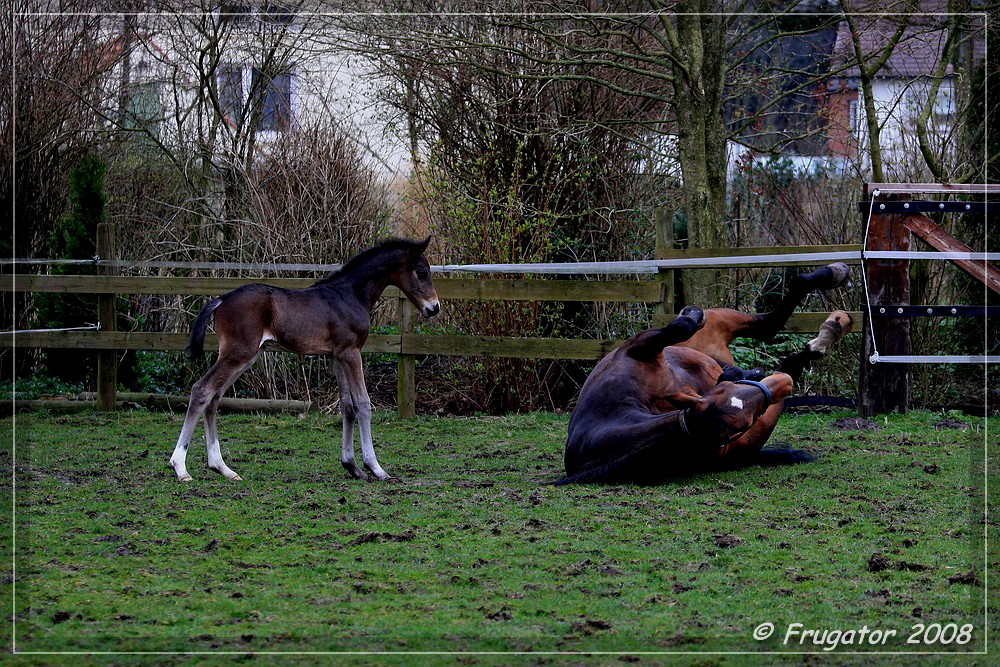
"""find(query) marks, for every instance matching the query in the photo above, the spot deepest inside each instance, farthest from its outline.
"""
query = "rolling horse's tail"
(599, 475)
(196, 348)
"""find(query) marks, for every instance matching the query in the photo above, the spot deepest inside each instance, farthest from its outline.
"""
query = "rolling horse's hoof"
(827, 277)
(694, 313)
(840, 272)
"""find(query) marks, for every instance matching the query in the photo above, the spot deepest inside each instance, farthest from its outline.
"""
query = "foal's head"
(413, 277)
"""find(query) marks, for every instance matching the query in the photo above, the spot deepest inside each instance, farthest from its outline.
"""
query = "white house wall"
(898, 104)
(328, 88)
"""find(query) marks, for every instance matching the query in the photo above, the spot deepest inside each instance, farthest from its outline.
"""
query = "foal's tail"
(196, 348)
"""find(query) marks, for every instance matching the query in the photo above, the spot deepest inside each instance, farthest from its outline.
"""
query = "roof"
(917, 54)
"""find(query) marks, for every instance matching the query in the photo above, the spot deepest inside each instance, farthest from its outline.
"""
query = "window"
(240, 14)
(251, 93)
(275, 108)
(143, 108)
(235, 13)
(944, 107)
(231, 95)
(854, 116)
(277, 13)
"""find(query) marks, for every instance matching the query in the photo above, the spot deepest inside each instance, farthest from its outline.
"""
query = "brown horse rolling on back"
(670, 401)
(332, 317)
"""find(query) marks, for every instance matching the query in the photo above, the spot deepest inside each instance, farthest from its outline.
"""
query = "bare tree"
(680, 76)
(56, 73)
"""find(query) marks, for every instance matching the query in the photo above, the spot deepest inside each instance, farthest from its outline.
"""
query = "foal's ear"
(422, 246)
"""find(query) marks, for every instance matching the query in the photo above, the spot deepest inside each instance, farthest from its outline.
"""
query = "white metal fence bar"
(938, 359)
(933, 254)
(125, 264)
(649, 266)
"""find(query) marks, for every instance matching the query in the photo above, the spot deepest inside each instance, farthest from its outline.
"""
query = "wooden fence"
(407, 345)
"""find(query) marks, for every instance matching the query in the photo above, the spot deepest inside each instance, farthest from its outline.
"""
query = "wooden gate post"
(406, 376)
(883, 387)
(107, 316)
(664, 242)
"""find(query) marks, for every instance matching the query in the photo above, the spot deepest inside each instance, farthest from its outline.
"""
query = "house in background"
(246, 72)
(825, 127)
(271, 70)
(902, 92)
(792, 196)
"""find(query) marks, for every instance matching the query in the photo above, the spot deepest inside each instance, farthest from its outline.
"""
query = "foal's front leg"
(354, 378)
(348, 413)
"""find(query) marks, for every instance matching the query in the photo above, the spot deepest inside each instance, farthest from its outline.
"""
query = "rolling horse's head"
(729, 409)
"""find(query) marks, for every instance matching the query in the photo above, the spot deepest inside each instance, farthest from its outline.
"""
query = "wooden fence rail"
(407, 344)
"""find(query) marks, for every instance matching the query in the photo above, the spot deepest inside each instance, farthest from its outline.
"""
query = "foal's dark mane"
(368, 255)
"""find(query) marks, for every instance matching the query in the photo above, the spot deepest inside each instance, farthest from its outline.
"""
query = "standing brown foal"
(331, 317)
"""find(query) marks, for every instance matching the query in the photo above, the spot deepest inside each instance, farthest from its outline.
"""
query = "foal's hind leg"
(349, 416)
(215, 461)
(205, 394)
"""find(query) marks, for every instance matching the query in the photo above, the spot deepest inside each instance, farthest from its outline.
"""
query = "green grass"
(472, 552)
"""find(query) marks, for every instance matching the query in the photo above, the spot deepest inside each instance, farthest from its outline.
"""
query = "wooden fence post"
(406, 377)
(107, 315)
(664, 242)
(883, 387)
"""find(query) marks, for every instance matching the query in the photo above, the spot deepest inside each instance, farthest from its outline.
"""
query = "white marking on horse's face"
(736, 403)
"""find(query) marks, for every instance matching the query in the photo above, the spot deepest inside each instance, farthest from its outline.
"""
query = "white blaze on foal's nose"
(431, 308)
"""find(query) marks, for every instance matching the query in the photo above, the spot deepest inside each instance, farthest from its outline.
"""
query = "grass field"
(473, 552)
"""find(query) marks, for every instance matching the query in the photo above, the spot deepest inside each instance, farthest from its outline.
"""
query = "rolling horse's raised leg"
(767, 325)
(723, 325)
(648, 344)
(833, 329)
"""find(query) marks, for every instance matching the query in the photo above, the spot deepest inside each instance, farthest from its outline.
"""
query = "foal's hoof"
(236, 478)
(390, 479)
(694, 313)
(187, 478)
(355, 471)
